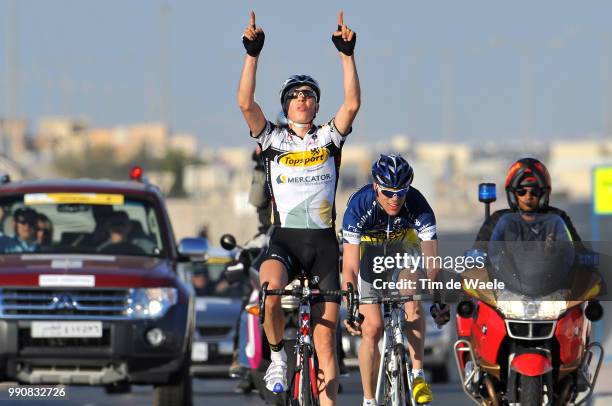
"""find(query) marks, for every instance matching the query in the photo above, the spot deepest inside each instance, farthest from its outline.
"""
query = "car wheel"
(439, 374)
(178, 391)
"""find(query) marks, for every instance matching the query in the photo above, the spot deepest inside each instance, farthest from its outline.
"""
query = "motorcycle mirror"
(465, 309)
(228, 242)
(594, 311)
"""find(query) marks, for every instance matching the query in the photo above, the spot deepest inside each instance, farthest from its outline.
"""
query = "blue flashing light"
(487, 192)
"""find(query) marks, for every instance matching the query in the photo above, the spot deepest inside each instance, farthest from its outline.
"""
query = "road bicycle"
(394, 383)
(303, 389)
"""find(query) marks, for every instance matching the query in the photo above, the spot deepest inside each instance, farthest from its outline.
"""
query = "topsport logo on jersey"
(313, 157)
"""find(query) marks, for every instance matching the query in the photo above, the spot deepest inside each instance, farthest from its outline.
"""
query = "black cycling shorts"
(314, 251)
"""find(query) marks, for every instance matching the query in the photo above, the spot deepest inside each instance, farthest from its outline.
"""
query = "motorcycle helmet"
(524, 173)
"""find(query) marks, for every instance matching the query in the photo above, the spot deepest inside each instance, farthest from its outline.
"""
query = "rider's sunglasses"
(532, 192)
(391, 193)
(25, 222)
(302, 94)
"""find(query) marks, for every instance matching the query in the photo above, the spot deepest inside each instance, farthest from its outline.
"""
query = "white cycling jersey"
(302, 174)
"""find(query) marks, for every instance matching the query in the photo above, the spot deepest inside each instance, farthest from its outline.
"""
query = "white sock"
(418, 372)
(276, 356)
(369, 402)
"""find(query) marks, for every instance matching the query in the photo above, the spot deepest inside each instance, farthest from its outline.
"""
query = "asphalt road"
(218, 392)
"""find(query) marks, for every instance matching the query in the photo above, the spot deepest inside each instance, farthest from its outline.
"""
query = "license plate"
(86, 281)
(66, 329)
(199, 352)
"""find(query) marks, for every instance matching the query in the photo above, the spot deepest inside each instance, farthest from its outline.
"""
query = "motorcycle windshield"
(533, 257)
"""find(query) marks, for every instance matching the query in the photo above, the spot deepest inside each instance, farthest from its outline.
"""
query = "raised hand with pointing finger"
(344, 38)
(253, 38)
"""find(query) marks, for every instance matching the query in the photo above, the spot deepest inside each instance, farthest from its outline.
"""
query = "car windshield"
(79, 223)
(208, 280)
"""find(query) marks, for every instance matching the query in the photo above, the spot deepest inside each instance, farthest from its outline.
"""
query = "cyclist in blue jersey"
(386, 218)
(302, 161)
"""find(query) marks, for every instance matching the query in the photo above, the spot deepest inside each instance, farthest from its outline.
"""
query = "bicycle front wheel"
(305, 392)
(405, 394)
(398, 388)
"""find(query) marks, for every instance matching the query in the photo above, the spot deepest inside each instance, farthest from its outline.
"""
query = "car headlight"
(150, 303)
(515, 306)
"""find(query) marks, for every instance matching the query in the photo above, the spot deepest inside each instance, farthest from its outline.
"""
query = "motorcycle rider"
(302, 163)
(388, 213)
(528, 187)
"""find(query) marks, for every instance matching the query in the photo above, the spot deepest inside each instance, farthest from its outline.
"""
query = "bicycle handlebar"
(401, 299)
(298, 291)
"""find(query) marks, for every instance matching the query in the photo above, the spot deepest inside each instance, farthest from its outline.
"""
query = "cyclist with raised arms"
(302, 162)
(388, 217)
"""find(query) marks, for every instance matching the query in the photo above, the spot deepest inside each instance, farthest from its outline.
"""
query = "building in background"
(58, 136)
(571, 165)
(13, 138)
(218, 180)
(186, 144)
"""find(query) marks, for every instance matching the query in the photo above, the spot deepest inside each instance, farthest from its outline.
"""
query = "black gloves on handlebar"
(440, 312)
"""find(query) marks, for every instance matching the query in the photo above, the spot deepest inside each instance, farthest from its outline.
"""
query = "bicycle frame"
(393, 317)
(303, 346)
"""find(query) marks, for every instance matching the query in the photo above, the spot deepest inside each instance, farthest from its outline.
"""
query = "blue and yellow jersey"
(366, 221)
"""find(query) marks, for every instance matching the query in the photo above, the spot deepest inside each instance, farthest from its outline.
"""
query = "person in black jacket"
(528, 187)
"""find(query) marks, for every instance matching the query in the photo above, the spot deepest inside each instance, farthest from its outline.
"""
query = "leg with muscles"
(273, 272)
(369, 355)
(325, 318)
(415, 326)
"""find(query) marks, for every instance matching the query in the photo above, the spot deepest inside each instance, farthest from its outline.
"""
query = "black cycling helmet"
(392, 171)
(528, 172)
(294, 81)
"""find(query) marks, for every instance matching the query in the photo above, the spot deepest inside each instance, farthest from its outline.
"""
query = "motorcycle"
(528, 341)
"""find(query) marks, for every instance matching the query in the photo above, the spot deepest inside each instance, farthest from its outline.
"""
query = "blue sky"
(460, 70)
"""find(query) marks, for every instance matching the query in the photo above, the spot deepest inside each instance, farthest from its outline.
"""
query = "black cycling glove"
(440, 312)
(253, 48)
(346, 47)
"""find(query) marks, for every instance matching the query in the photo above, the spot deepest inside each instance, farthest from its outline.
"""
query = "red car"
(90, 292)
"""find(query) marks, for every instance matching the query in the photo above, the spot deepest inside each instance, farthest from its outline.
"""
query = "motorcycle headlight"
(522, 308)
(150, 303)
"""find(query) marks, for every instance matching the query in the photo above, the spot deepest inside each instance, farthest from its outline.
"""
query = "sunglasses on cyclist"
(390, 193)
(303, 94)
(532, 192)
